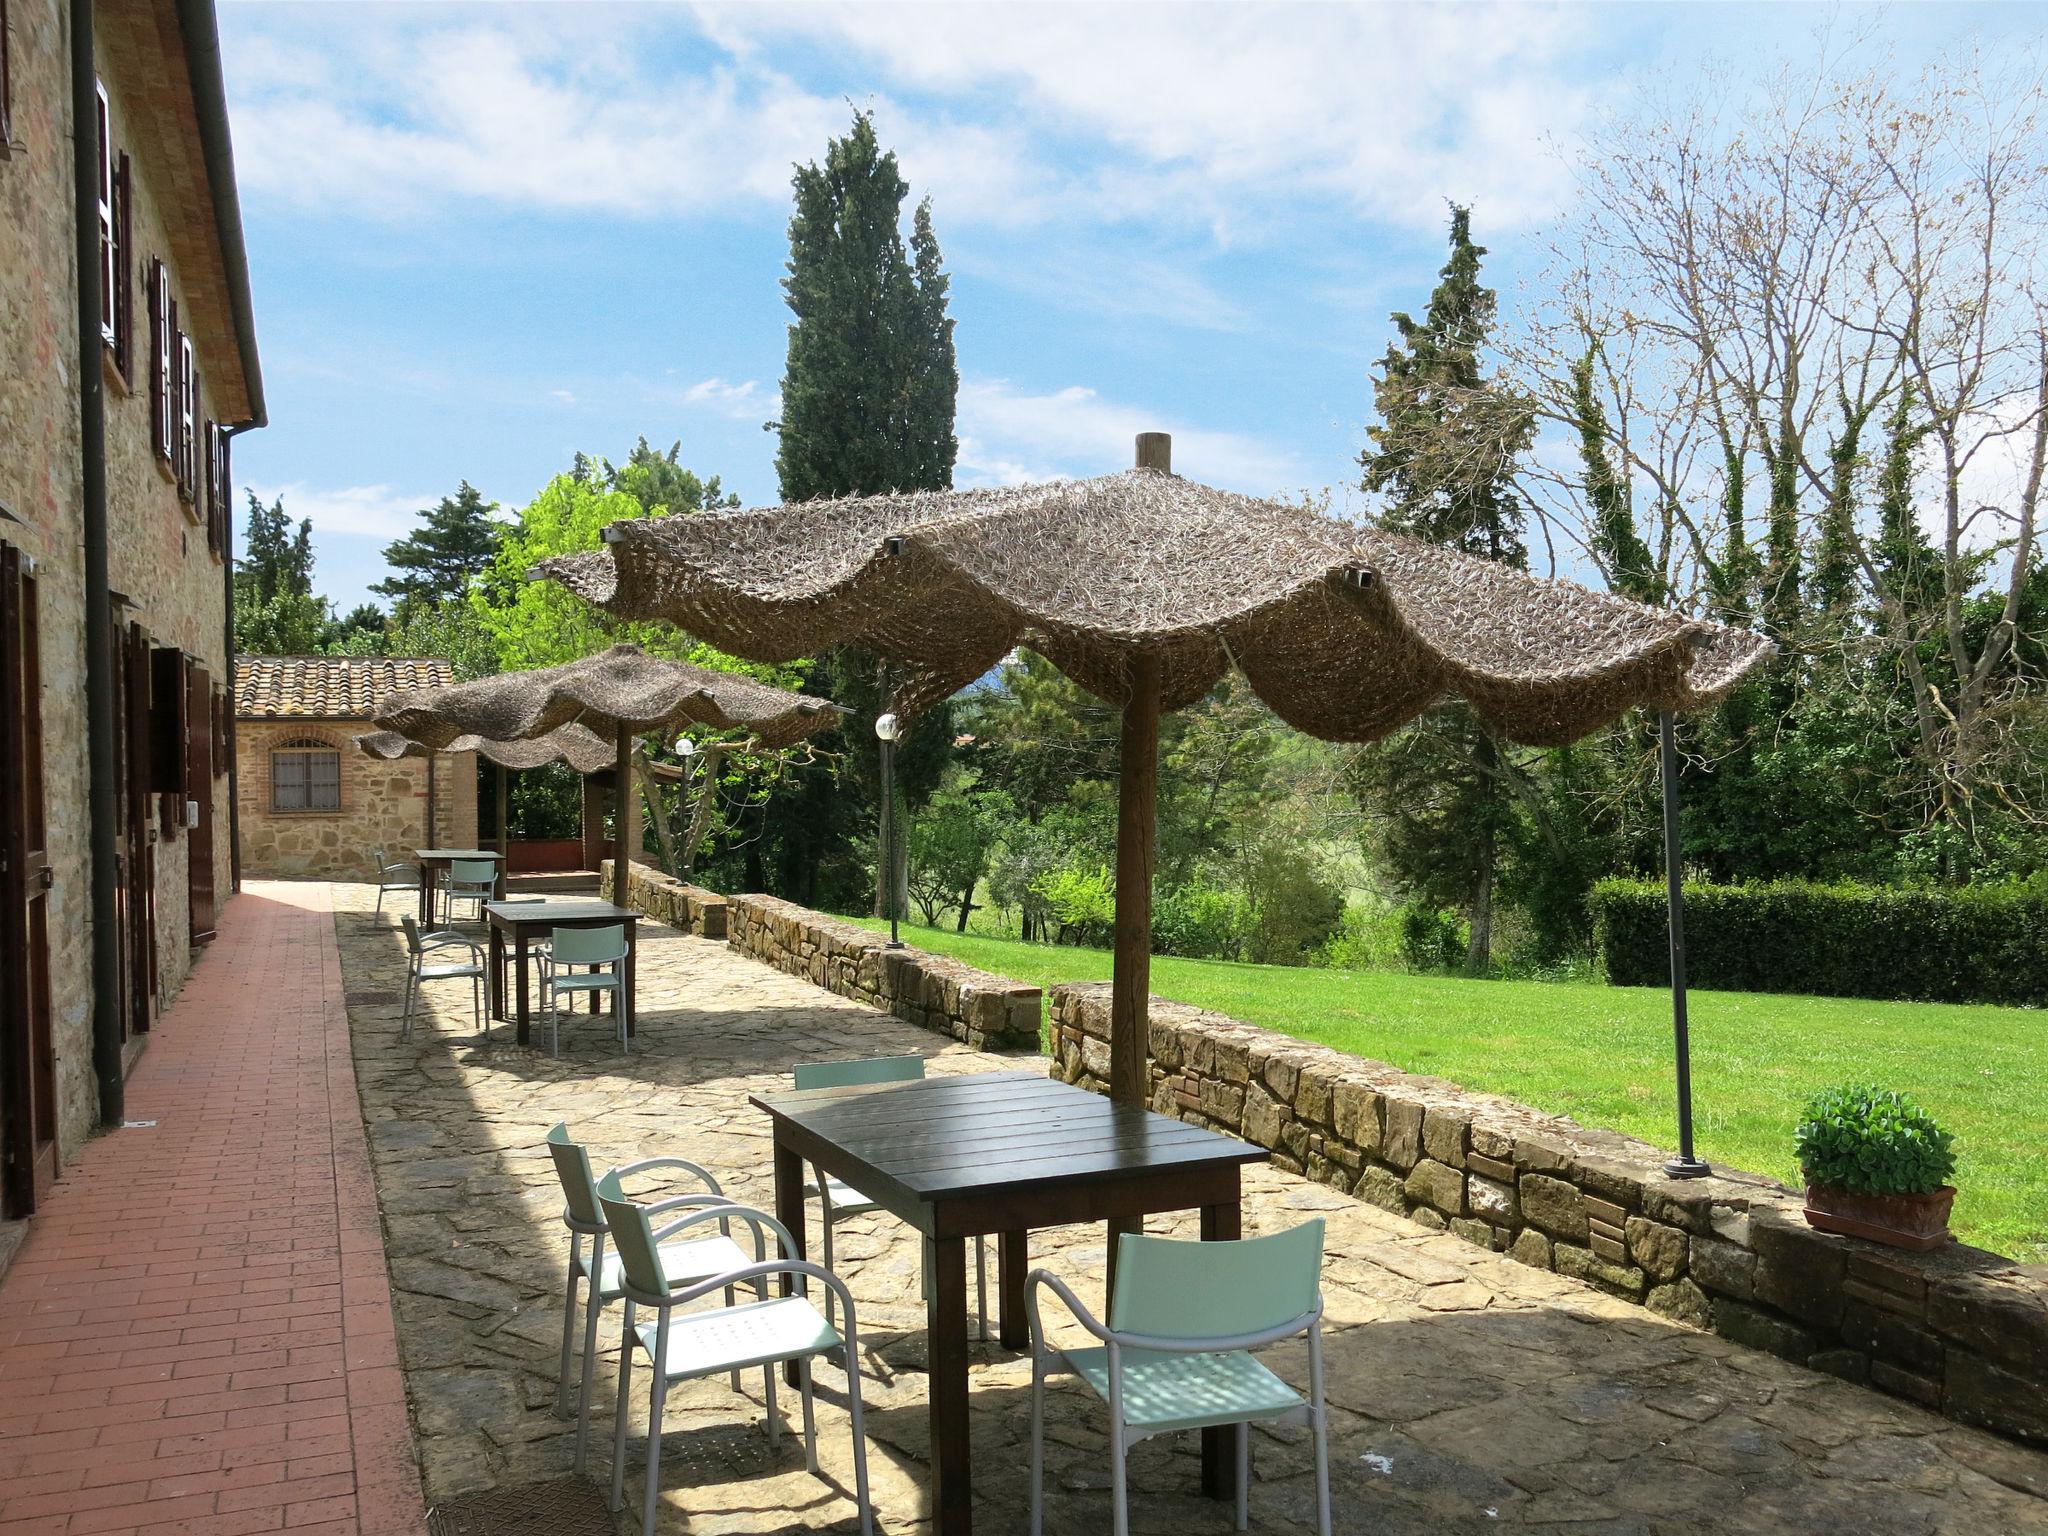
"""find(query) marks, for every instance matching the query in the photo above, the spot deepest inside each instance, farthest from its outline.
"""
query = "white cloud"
(1009, 437)
(1206, 117)
(357, 511)
(742, 402)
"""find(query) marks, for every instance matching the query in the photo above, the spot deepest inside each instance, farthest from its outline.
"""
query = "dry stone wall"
(666, 899)
(1958, 1329)
(989, 1013)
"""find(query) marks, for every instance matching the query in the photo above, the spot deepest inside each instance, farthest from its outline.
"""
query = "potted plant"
(1877, 1167)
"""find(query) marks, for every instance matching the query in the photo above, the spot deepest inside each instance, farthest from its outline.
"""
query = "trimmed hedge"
(1964, 944)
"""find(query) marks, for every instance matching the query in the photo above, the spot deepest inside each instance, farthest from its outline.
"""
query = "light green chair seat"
(735, 1338)
(682, 1264)
(448, 972)
(584, 981)
(1169, 1392)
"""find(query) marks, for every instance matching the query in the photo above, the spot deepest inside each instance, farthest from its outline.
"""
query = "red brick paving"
(197, 1334)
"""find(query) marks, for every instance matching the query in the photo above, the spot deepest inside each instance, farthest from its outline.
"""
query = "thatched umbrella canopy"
(1145, 588)
(577, 745)
(617, 695)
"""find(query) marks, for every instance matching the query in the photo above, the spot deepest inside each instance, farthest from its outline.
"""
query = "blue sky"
(485, 237)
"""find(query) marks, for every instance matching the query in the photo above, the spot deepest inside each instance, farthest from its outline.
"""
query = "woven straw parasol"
(577, 745)
(617, 695)
(1145, 588)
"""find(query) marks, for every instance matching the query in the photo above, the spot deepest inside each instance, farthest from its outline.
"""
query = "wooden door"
(199, 883)
(28, 1073)
(138, 864)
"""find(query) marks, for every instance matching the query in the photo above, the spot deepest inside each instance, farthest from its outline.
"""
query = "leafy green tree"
(454, 542)
(1443, 456)
(276, 558)
(661, 483)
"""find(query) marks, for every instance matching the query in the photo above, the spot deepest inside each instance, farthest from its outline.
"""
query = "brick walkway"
(197, 1335)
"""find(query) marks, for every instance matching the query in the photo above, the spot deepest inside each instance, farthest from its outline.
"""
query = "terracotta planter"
(1903, 1221)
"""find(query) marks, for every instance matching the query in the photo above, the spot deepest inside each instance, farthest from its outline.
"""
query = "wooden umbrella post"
(1136, 825)
(626, 820)
(502, 787)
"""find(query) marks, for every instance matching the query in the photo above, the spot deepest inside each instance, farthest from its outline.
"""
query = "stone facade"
(986, 1012)
(383, 804)
(1960, 1330)
(159, 559)
(666, 899)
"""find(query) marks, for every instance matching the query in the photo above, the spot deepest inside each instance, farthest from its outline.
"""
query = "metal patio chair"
(421, 967)
(682, 1346)
(1177, 1351)
(570, 947)
(601, 1274)
(395, 875)
(471, 880)
(837, 1200)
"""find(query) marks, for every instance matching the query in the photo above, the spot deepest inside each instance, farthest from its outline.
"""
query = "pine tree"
(1443, 455)
(454, 542)
(659, 481)
(276, 560)
(934, 386)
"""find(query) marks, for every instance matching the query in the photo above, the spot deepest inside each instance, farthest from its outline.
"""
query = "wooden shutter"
(124, 271)
(199, 881)
(167, 721)
(161, 313)
(6, 85)
(103, 122)
(216, 513)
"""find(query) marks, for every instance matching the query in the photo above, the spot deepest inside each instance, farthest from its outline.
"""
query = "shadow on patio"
(1467, 1392)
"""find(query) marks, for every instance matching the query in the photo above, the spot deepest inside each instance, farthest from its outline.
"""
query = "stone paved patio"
(1467, 1392)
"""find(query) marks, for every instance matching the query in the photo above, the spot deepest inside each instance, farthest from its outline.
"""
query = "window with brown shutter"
(103, 123)
(6, 84)
(187, 458)
(124, 272)
(162, 315)
(215, 493)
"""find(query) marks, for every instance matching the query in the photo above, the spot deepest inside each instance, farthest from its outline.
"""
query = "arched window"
(305, 776)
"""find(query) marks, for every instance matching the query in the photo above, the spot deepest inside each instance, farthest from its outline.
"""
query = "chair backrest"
(1171, 1289)
(632, 1238)
(589, 946)
(572, 1167)
(472, 871)
(849, 1074)
(412, 934)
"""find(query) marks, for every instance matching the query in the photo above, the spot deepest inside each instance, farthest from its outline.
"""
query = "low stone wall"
(1958, 1329)
(666, 899)
(987, 1012)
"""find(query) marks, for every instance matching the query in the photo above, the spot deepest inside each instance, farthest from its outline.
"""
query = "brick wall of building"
(382, 804)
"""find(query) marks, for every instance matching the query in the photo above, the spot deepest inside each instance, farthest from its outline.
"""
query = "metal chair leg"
(803, 1376)
(568, 1323)
(593, 1304)
(1244, 1476)
(619, 1415)
(981, 1289)
(1319, 1426)
(652, 1501)
(1037, 1440)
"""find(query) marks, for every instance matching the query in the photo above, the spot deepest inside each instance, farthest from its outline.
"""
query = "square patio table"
(434, 864)
(521, 919)
(1000, 1152)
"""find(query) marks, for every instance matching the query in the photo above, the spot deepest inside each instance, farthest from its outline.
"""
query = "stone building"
(308, 801)
(127, 363)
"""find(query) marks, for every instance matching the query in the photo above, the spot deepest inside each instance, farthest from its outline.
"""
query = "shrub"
(1963, 944)
(1432, 939)
(1368, 938)
(1871, 1142)
(1199, 921)
(1081, 899)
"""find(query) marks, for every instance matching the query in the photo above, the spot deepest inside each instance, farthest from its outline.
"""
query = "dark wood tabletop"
(521, 919)
(434, 864)
(1002, 1152)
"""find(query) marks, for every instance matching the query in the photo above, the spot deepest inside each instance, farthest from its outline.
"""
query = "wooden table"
(434, 864)
(1001, 1152)
(520, 920)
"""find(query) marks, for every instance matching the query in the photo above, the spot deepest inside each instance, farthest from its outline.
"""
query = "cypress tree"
(1630, 568)
(1443, 456)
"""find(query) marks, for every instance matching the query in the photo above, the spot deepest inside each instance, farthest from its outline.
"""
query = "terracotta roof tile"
(329, 687)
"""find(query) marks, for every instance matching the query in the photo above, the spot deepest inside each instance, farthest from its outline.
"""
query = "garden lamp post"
(1686, 1165)
(887, 729)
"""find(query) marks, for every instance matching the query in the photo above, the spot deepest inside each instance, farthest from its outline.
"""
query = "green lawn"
(1603, 1056)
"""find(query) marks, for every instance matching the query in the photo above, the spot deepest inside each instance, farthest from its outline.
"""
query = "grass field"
(1603, 1056)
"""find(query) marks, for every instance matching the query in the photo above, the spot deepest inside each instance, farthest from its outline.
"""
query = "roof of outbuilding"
(329, 687)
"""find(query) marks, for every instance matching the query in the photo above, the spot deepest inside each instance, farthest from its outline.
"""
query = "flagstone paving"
(1467, 1392)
